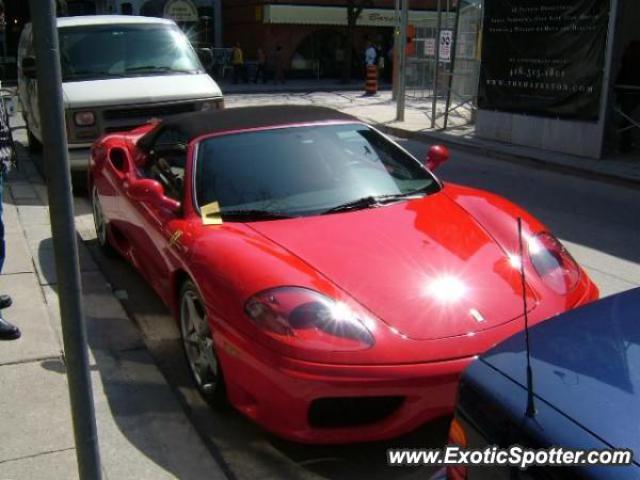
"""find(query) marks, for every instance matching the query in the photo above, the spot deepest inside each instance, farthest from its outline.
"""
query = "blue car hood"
(586, 364)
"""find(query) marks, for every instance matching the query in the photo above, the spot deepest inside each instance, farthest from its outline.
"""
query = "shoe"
(5, 301)
(8, 331)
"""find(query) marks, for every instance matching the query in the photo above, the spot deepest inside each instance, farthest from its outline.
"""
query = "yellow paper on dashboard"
(210, 214)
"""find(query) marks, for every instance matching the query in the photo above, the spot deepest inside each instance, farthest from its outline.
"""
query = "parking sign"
(446, 44)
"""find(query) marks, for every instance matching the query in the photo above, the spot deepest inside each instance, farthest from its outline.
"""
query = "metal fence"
(446, 86)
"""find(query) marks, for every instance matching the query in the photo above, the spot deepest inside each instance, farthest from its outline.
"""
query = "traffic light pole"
(402, 67)
(56, 161)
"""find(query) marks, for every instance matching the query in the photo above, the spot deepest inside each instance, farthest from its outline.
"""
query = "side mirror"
(28, 67)
(206, 57)
(150, 191)
(438, 154)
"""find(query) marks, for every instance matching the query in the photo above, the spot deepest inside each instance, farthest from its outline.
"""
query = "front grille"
(148, 112)
(340, 412)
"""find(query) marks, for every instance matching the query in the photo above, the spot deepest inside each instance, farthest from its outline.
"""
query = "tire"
(79, 182)
(199, 350)
(102, 227)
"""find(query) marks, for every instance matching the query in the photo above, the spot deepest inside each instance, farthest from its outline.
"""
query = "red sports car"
(325, 281)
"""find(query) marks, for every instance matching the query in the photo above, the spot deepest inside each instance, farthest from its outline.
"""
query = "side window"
(167, 162)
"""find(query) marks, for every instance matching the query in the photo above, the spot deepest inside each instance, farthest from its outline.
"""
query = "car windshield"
(106, 51)
(298, 171)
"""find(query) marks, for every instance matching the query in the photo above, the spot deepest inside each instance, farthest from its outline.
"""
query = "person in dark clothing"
(7, 330)
(278, 61)
(261, 67)
(628, 97)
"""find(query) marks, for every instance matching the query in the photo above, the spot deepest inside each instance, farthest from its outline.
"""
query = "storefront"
(313, 38)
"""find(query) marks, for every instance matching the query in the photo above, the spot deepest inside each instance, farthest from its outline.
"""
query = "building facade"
(312, 34)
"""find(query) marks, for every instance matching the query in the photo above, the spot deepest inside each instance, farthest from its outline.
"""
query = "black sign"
(544, 57)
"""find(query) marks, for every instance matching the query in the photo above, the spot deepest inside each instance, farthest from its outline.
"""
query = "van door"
(28, 87)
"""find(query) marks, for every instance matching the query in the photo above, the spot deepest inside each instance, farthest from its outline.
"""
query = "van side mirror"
(437, 155)
(28, 67)
(151, 192)
(206, 57)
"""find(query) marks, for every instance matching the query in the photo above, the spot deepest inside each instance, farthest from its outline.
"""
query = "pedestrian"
(7, 330)
(261, 67)
(370, 55)
(237, 60)
(278, 61)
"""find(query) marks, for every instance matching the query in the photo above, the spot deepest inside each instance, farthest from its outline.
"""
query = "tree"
(354, 9)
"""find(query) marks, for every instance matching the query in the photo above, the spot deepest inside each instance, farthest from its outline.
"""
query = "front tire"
(100, 223)
(199, 350)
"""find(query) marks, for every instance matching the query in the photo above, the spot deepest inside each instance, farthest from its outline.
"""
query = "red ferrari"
(326, 283)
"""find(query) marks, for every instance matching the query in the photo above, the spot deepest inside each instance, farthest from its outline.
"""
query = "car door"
(155, 232)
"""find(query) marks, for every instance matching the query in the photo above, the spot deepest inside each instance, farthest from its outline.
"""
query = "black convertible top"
(194, 124)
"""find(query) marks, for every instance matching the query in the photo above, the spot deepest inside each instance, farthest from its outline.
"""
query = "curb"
(299, 89)
(499, 152)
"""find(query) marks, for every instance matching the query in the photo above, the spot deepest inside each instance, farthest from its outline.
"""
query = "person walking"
(237, 60)
(7, 330)
(260, 69)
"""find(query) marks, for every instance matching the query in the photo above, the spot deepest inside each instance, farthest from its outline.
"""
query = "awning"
(337, 16)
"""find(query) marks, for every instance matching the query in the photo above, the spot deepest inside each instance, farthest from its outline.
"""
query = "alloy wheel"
(198, 343)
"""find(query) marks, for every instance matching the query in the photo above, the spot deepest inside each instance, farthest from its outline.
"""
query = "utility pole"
(402, 67)
(65, 245)
(434, 104)
(396, 51)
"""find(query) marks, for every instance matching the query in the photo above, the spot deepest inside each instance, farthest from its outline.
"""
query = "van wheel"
(33, 143)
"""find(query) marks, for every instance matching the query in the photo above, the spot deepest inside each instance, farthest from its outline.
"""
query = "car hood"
(586, 364)
(425, 266)
(142, 89)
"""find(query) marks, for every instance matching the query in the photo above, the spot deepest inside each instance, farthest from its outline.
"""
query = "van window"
(105, 51)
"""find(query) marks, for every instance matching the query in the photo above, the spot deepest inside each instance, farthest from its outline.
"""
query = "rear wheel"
(100, 223)
(198, 346)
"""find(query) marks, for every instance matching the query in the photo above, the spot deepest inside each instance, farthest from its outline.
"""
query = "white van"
(118, 72)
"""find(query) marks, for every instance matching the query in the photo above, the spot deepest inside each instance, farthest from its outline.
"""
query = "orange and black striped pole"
(371, 85)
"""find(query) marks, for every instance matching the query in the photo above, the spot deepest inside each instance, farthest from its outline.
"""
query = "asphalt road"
(598, 222)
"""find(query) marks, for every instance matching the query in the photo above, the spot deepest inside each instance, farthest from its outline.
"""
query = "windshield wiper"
(156, 68)
(255, 214)
(90, 73)
(373, 201)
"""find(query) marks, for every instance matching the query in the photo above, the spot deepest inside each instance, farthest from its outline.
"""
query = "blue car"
(585, 368)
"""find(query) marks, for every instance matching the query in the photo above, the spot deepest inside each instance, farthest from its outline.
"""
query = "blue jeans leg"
(2, 247)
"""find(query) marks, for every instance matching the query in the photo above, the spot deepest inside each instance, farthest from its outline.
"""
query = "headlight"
(554, 263)
(212, 105)
(84, 119)
(308, 320)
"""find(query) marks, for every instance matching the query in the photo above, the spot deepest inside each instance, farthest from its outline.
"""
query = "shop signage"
(544, 57)
(182, 11)
(317, 15)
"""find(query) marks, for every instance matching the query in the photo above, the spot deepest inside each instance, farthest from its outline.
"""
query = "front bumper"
(280, 393)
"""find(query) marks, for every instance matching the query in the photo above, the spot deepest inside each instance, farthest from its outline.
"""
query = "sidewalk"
(380, 110)
(297, 86)
(143, 431)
